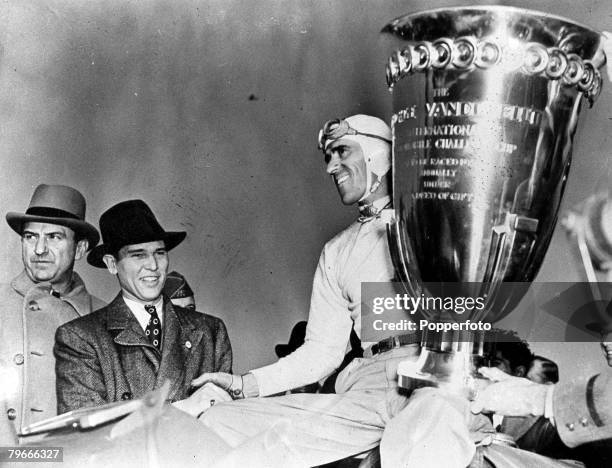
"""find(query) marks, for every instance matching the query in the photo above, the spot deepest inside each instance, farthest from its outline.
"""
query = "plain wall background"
(209, 111)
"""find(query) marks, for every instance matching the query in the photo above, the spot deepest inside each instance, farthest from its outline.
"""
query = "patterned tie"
(153, 330)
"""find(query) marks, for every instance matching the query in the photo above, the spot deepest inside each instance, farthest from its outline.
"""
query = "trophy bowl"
(486, 102)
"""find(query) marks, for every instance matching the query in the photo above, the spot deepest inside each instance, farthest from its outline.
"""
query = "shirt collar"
(372, 210)
(22, 284)
(141, 314)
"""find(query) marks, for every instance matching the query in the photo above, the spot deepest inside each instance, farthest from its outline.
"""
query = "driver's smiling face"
(346, 164)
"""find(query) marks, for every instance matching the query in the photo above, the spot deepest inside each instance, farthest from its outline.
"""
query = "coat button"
(12, 414)
(33, 305)
(188, 344)
(570, 426)
(584, 422)
(18, 359)
(126, 396)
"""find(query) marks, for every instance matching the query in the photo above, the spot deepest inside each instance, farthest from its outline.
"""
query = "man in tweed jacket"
(140, 339)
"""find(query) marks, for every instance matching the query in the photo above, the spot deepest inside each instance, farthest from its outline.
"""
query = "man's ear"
(111, 263)
(81, 248)
(520, 371)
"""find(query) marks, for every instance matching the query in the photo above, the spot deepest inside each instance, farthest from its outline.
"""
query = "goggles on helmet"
(337, 128)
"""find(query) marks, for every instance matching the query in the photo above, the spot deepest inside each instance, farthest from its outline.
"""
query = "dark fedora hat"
(298, 334)
(56, 204)
(127, 223)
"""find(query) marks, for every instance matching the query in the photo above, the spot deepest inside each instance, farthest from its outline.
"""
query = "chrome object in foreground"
(485, 107)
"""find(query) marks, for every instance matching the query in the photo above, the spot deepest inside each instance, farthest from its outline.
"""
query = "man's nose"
(151, 263)
(333, 164)
(41, 246)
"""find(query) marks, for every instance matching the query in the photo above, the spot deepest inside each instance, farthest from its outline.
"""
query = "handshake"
(217, 387)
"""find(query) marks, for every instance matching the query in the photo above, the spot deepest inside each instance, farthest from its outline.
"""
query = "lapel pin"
(188, 344)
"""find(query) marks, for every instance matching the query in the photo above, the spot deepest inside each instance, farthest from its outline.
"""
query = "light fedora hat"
(127, 223)
(56, 204)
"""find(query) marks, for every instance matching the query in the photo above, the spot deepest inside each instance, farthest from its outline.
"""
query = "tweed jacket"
(106, 357)
(583, 409)
(29, 316)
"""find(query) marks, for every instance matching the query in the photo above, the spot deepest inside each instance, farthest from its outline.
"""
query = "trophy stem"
(448, 360)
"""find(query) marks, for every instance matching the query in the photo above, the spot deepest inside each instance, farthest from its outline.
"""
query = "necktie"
(153, 330)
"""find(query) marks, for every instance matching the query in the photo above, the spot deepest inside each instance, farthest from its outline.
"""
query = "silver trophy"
(485, 107)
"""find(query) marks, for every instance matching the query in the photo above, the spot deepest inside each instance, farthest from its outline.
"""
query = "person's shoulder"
(340, 238)
(89, 323)
(17, 287)
(200, 319)
(195, 315)
(97, 303)
(89, 320)
(101, 308)
(212, 320)
(86, 331)
(81, 297)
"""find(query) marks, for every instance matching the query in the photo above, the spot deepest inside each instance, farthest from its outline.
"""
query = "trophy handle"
(515, 238)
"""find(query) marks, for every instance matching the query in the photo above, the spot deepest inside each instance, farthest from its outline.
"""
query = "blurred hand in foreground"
(509, 395)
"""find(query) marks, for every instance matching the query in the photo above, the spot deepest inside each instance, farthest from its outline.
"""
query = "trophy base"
(452, 372)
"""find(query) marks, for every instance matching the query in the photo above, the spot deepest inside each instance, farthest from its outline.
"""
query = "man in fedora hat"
(46, 294)
(140, 339)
